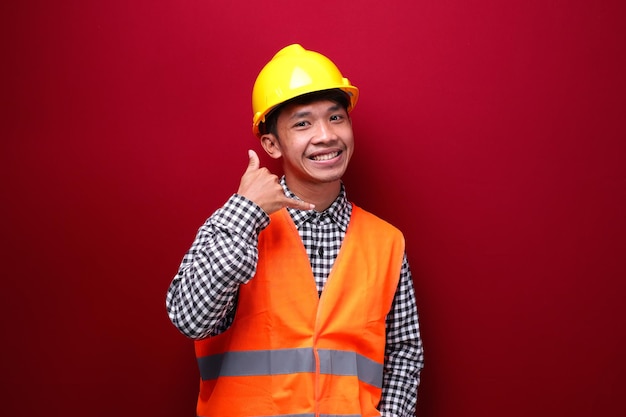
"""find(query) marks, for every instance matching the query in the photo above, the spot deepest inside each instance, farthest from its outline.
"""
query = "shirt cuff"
(241, 216)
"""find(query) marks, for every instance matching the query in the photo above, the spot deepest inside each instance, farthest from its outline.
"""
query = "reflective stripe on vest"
(290, 361)
(319, 415)
(313, 415)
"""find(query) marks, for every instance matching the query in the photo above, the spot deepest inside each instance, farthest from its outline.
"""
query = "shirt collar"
(339, 211)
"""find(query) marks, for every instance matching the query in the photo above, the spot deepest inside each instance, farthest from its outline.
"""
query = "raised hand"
(263, 188)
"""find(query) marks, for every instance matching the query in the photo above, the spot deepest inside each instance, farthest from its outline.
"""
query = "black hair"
(335, 95)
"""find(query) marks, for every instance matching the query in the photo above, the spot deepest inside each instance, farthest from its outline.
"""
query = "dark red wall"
(493, 133)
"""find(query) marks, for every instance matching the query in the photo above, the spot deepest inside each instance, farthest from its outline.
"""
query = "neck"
(322, 195)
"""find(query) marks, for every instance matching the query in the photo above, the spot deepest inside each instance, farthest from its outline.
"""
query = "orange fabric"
(279, 308)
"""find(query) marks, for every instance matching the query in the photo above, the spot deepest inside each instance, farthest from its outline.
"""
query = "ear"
(270, 143)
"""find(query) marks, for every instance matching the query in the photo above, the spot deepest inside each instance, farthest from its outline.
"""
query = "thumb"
(253, 163)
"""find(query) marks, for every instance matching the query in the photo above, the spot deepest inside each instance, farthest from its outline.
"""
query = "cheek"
(350, 153)
(349, 141)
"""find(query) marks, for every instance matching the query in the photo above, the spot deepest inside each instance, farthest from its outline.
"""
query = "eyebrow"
(300, 114)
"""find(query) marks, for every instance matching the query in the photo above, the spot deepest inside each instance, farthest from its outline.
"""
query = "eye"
(301, 123)
(336, 117)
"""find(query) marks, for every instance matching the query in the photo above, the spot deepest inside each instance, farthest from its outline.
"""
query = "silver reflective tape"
(311, 415)
(341, 362)
(291, 361)
(257, 362)
(306, 415)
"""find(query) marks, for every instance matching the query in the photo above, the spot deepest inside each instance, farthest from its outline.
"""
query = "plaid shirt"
(202, 297)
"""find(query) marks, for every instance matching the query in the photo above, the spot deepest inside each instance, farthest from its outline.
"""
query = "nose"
(326, 132)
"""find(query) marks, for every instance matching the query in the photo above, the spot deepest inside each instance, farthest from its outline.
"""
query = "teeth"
(325, 157)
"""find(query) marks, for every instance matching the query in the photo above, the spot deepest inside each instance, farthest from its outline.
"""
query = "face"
(315, 141)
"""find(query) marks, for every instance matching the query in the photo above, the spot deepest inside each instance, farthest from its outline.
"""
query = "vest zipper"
(316, 335)
(317, 381)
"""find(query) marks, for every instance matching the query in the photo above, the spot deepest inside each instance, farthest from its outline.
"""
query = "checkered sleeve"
(404, 356)
(223, 255)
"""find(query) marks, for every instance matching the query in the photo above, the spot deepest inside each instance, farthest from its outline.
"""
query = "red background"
(491, 132)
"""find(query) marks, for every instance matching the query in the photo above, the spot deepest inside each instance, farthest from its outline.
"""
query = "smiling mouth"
(325, 157)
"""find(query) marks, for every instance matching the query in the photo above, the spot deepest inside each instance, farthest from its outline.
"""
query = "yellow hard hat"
(294, 71)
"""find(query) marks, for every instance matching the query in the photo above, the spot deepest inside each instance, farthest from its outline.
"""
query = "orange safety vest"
(291, 352)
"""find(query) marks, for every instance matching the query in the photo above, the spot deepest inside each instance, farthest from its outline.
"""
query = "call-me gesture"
(263, 188)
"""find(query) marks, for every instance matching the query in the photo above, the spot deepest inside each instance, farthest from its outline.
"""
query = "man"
(300, 302)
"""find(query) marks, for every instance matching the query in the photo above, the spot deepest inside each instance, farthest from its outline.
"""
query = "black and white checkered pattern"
(202, 297)
(322, 234)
